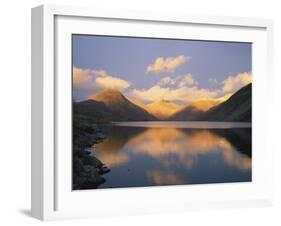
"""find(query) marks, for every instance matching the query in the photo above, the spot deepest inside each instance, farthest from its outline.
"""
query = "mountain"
(111, 105)
(204, 105)
(120, 107)
(238, 108)
(137, 102)
(91, 109)
(188, 113)
(194, 110)
(163, 109)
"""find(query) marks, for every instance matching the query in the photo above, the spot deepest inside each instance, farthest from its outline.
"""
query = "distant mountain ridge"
(163, 109)
(112, 105)
(194, 110)
(238, 108)
(188, 113)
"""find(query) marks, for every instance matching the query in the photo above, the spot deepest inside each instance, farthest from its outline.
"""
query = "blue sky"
(209, 64)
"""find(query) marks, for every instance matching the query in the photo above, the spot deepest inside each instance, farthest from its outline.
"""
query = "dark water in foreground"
(168, 153)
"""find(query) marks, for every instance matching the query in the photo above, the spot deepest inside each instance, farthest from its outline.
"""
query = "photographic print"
(155, 111)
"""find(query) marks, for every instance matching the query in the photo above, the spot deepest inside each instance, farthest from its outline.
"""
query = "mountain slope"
(193, 111)
(91, 109)
(121, 108)
(204, 105)
(188, 113)
(237, 108)
(163, 109)
(137, 102)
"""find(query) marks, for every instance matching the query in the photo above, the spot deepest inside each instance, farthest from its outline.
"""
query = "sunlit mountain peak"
(163, 109)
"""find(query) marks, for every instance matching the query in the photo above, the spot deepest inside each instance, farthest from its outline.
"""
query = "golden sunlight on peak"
(108, 96)
(163, 109)
(137, 102)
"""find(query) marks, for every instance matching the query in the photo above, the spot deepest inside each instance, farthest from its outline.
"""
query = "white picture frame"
(52, 197)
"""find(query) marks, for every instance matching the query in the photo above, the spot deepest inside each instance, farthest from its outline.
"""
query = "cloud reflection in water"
(163, 156)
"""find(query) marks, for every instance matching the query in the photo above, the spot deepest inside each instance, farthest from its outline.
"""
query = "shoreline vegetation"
(93, 117)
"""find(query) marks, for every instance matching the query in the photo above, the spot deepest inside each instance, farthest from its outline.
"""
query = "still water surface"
(170, 153)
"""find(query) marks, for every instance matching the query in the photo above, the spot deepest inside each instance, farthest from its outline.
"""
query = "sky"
(150, 69)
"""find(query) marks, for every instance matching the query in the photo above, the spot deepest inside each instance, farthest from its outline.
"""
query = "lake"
(172, 153)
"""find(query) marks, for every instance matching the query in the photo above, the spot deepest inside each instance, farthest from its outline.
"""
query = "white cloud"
(167, 81)
(87, 81)
(109, 82)
(169, 64)
(83, 79)
(187, 80)
(232, 83)
(180, 81)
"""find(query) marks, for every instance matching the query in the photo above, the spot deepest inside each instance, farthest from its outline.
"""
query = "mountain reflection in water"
(143, 156)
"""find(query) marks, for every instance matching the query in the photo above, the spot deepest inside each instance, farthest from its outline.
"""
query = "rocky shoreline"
(87, 169)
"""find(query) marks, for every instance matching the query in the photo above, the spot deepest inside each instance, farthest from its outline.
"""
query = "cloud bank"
(184, 94)
(182, 88)
(88, 81)
(233, 83)
(186, 89)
